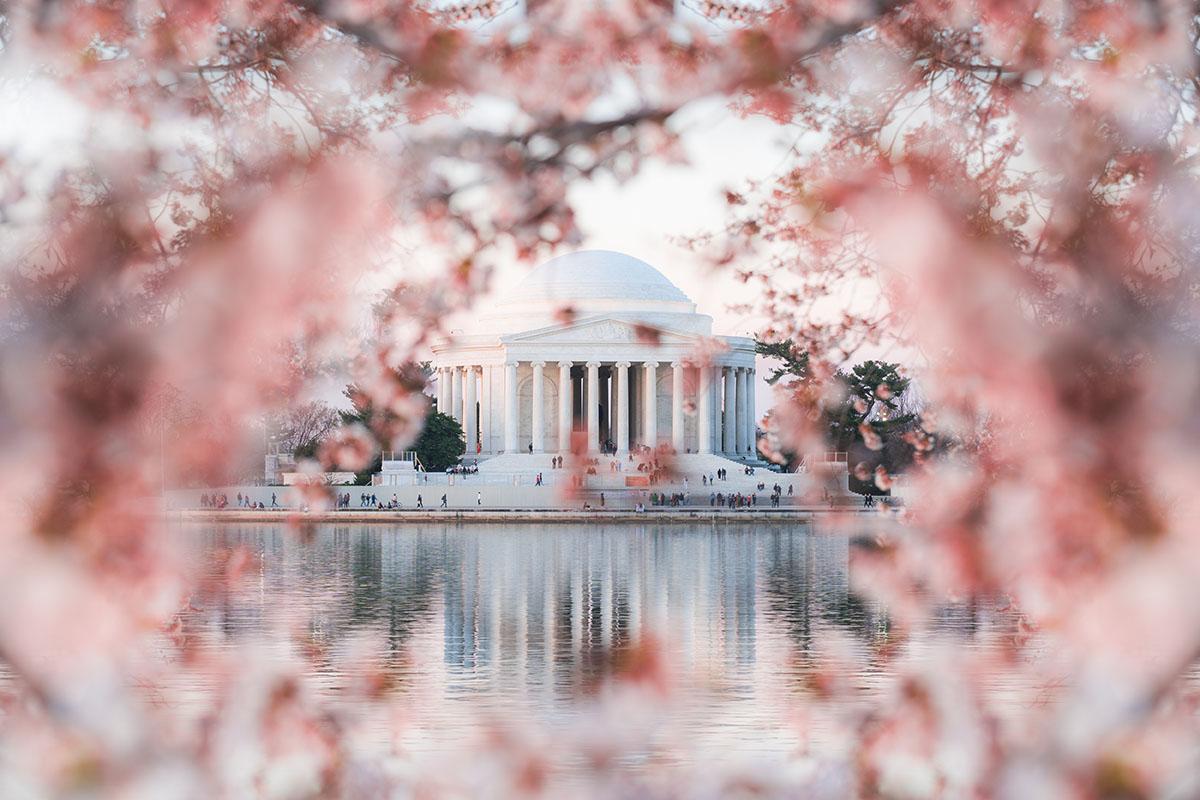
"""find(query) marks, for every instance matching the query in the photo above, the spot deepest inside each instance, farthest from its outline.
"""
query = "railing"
(815, 460)
(404, 455)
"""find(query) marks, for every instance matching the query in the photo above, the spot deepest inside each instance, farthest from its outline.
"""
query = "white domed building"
(597, 350)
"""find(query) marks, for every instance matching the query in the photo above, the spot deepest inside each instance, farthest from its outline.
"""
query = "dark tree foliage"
(868, 424)
(380, 422)
(871, 390)
(363, 476)
(793, 360)
(308, 449)
(872, 386)
(362, 411)
(441, 443)
(411, 377)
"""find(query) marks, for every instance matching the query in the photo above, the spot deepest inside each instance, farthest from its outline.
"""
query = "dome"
(587, 284)
(595, 275)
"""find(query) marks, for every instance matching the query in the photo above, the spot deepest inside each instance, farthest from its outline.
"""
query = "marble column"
(456, 393)
(539, 408)
(593, 406)
(715, 392)
(565, 401)
(610, 395)
(677, 406)
(651, 410)
(751, 413)
(729, 425)
(485, 408)
(510, 407)
(469, 413)
(740, 406)
(622, 377)
(442, 384)
(704, 409)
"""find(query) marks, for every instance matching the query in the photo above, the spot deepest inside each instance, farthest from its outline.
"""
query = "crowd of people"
(372, 501)
(220, 501)
(777, 493)
(732, 500)
(672, 499)
(214, 500)
(655, 470)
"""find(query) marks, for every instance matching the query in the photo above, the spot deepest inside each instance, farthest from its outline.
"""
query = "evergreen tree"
(793, 361)
(441, 443)
(381, 422)
(870, 386)
(868, 423)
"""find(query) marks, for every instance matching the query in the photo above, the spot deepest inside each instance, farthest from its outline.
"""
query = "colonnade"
(722, 400)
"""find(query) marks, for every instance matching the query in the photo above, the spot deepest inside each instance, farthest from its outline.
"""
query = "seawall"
(656, 516)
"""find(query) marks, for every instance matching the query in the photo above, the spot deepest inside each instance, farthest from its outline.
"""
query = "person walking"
(443, 501)
(479, 498)
(274, 502)
(420, 502)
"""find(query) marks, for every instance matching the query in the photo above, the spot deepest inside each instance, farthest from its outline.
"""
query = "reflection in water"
(535, 617)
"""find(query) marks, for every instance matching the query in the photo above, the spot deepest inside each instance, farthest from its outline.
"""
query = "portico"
(597, 351)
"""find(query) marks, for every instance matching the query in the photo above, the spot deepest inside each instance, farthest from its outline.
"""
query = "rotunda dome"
(595, 275)
(591, 283)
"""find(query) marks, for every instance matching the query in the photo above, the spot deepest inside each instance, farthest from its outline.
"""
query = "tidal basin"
(525, 625)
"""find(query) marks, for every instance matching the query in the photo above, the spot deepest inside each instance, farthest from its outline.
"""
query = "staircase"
(689, 465)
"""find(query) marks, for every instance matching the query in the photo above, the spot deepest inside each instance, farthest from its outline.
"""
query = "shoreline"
(675, 515)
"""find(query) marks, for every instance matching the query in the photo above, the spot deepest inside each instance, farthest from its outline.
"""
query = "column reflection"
(550, 608)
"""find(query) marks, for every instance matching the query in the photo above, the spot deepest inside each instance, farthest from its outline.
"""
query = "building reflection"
(551, 607)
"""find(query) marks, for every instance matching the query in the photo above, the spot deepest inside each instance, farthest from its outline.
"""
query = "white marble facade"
(601, 346)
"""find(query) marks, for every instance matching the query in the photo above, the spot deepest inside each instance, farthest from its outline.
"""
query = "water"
(529, 626)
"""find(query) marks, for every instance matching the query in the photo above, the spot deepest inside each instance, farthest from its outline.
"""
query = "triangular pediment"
(602, 329)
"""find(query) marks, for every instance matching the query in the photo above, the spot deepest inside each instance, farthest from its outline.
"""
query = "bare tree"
(301, 428)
